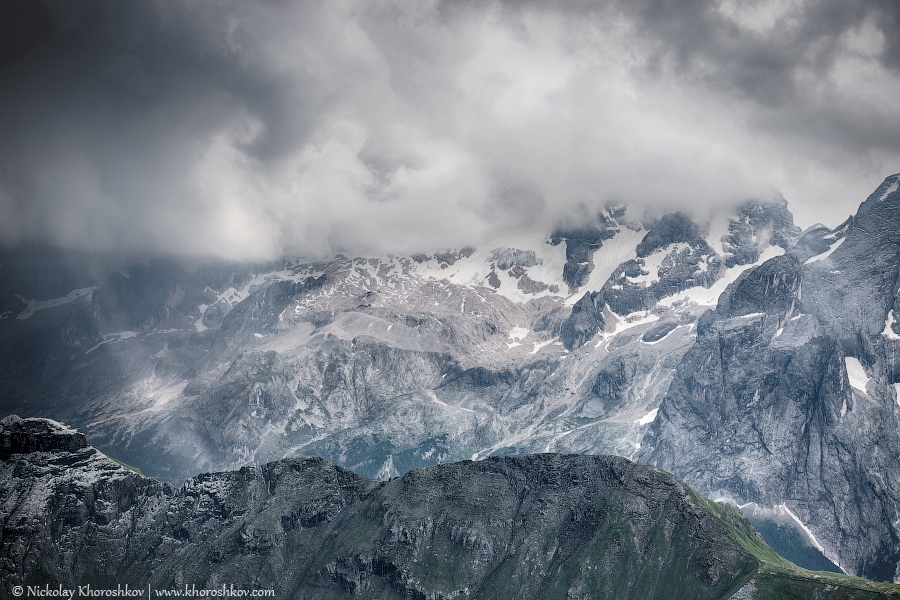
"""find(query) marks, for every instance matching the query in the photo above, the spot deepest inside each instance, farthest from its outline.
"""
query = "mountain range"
(751, 359)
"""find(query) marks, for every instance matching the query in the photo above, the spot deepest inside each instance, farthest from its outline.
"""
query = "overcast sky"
(248, 129)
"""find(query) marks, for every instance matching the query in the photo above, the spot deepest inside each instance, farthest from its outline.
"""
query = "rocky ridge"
(540, 526)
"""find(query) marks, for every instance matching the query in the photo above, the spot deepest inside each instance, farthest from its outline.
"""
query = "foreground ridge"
(537, 526)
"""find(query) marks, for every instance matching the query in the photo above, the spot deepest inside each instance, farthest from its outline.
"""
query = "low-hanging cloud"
(251, 129)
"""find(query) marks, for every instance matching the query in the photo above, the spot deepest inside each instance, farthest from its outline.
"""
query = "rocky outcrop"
(787, 397)
(533, 526)
(18, 436)
(507, 258)
(581, 244)
(675, 256)
(757, 225)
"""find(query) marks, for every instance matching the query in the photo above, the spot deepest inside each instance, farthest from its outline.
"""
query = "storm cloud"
(251, 129)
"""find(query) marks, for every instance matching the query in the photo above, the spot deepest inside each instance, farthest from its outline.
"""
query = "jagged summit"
(789, 395)
(560, 341)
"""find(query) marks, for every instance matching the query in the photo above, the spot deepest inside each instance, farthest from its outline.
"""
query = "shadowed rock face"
(533, 526)
(19, 436)
(787, 397)
(581, 244)
(539, 526)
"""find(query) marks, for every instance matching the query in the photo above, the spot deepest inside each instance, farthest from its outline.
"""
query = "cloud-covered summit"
(250, 129)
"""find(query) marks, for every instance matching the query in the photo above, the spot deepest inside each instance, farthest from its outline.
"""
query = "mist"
(251, 130)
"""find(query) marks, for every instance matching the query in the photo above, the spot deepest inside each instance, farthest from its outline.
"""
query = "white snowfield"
(613, 252)
(648, 418)
(825, 254)
(888, 327)
(476, 269)
(517, 335)
(856, 374)
(890, 190)
(653, 262)
(111, 338)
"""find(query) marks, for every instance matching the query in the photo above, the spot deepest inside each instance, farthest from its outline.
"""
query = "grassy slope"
(780, 579)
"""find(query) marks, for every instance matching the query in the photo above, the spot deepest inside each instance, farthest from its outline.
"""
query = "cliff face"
(789, 395)
(539, 526)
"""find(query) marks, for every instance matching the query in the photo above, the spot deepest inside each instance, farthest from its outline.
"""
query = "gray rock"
(306, 528)
(507, 258)
(580, 247)
(763, 408)
(758, 225)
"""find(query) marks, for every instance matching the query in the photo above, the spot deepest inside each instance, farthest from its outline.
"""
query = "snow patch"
(114, 337)
(825, 254)
(518, 333)
(614, 251)
(897, 392)
(856, 374)
(387, 470)
(473, 270)
(710, 296)
(33, 306)
(434, 399)
(648, 418)
(620, 323)
(653, 262)
(741, 319)
(198, 324)
(888, 328)
(663, 337)
(539, 345)
(890, 190)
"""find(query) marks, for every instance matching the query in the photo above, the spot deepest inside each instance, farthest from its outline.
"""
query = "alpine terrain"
(755, 361)
(538, 526)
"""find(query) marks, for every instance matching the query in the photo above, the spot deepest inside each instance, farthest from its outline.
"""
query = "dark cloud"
(247, 129)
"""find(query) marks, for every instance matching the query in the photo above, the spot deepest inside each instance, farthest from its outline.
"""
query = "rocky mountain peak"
(19, 436)
(670, 229)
